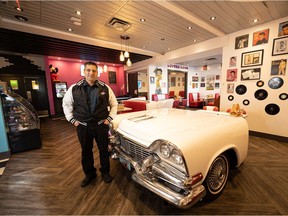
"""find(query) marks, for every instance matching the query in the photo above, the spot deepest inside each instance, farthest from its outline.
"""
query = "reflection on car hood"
(175, 125)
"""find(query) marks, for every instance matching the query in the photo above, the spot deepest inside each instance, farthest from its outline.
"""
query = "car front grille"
(135, 151)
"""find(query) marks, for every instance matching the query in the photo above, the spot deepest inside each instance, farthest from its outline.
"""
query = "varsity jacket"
(76, 108)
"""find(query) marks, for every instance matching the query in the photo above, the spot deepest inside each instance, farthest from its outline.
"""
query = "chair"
(195, 101)
(211, 108)
(171, 94)
(155, 97)
(182, 94)
(213, 103)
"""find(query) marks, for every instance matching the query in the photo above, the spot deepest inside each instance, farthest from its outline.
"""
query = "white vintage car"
(180, 155)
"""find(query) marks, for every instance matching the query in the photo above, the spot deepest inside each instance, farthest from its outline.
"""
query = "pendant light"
(122, 58)
(128, 63)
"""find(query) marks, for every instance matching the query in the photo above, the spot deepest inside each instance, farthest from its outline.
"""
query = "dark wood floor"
(47, 181)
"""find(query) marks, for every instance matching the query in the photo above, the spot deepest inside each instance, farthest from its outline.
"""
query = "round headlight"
(164, 150)
(177, 157)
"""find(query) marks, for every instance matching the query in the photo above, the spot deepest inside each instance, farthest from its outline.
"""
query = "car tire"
(216, 178)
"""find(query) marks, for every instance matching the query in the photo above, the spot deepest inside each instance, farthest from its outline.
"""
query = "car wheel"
(216, 178)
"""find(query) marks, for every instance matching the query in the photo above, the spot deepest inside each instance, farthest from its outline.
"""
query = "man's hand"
(106, 122)
(76, 123)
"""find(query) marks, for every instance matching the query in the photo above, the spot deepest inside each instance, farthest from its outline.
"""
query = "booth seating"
(182, 94)
(135, 105)
(195, 100)
(211, 108)
(171, 94)
(215, 101)
(156, 97)
(180, 104)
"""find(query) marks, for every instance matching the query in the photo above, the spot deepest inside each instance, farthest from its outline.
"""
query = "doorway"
(177, 83)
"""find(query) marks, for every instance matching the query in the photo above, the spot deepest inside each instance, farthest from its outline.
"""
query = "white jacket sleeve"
(113, 105)
(67, 104)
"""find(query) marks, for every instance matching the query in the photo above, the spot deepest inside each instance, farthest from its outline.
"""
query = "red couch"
(135, 105)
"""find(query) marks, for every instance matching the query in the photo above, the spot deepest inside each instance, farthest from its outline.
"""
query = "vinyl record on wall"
(261, 94)
(246, 102)
(241, 89)
(230, 97)
(272, 109)
(283, 96)
(260, 83)
(275, 82)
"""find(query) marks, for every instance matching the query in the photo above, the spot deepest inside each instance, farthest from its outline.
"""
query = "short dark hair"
(262, 33)
(285, 26)
(232, 72)
(90, 63)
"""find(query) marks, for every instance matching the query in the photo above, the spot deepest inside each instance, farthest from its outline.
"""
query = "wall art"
(253, 58)
(260, 37)
(283, 29)
(251, 74)
(278, 67)
(241, 41)
(280, 46)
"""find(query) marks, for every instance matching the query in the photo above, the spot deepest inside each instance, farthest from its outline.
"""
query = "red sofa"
(135, 105)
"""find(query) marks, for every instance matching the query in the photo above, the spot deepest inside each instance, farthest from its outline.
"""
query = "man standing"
(90, 105)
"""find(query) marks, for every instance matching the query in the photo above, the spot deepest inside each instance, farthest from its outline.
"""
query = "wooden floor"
(47, 181)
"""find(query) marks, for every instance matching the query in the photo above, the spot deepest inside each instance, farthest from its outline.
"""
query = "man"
(262, 38)
(90, 105)
(284, 30)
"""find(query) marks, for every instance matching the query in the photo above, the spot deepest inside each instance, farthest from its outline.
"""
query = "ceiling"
(93, 38)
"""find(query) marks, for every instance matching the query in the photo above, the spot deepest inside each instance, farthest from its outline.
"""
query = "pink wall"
(69, 71)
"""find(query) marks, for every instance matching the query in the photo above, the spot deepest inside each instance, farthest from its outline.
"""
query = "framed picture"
(194, 78)
(217, 85)
(112, 77)
(139, 84)
(251, 74)
(278, 67)
(152, 80)
(260, 37)
(14, 84)
(283, 29)
(253, 58)
(231, 75)
(241, 41)
(232, 62)
(173, 81)
(202, 85)
(230, 88)
(280, 46)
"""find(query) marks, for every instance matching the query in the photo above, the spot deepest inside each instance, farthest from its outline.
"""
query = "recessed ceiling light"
(70, 29)
(77, 23)
(189, 27)
(78, 13)
(142, 20)
(18, 9)
(255, 20)
(21, 18)
(144, 47)
(162, 39)
(168, 48)
(212, 18)
(194, 40)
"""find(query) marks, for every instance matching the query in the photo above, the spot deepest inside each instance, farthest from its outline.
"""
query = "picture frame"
(280, 46)
(139, 84)
(251, 74)
(241, 41)
(252, 58)
(283, 29)
(152, 80)
(260, 37)
(112, 77)
(278, 67)
(233, 61)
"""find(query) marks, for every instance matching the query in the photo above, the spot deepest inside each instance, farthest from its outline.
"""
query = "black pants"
(86, 135)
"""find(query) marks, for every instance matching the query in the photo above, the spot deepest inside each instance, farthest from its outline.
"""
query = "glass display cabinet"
(21, 122)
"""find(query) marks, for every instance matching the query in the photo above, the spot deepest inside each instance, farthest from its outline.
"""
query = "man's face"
(91, 73)
(285, 31)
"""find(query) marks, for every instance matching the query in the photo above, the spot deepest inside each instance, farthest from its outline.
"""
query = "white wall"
(258, 119)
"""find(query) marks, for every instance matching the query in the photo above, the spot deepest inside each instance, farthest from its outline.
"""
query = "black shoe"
(87, 180)
(106, 178)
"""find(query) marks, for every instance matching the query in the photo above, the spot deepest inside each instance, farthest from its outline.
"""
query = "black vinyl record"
(272, 109)
(241, 89)
(261, 94)
(230, 97)
(260, 83)
(275, 82)
(246, 102)
(283, 96)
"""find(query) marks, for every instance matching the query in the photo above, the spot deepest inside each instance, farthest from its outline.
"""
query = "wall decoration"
(14, 84)
(260, 37)
(283, 96)
(260, 83)
(275, 82)
(203, 79)
(139, 84)
(253, 58)
(283, 29)
(230, 97)
(230, 88)
(217, 85)
(158, 74)
(112, 76)
(241, 41)
(280, 46)
(246, 102)
(173, 81)
(194, 85)
(231, 75)
(232, 62)
(272, 109)
(241, 89)
(217, 77)
(204, 67)
(202, 85)
(251, 74)
(278, 67)
(210, 82)
(261, 94)
(195, 78)
(152, 80)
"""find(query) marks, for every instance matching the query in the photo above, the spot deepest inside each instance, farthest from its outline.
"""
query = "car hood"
(175, 125)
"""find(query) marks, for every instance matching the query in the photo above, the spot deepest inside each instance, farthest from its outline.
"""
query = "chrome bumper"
(191, 196)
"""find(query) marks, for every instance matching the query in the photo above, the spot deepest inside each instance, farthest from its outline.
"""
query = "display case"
(22, 123)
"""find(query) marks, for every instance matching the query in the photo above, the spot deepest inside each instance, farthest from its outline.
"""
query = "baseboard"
(269, 136)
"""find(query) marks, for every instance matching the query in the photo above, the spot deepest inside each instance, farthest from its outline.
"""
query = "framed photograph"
(232, 62)
(139, 84)
(283, 29)
(173, 81)
(203, 79)
(280, 46)
(231, 75)
(278, 67)
(112, 77)
(241, 41)
(14, 84)
(202, 85)
(253, 58)
(251, 74)
(260, 37)
(194, 78)
(152, 80)
(217, 85)
(230, 88)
